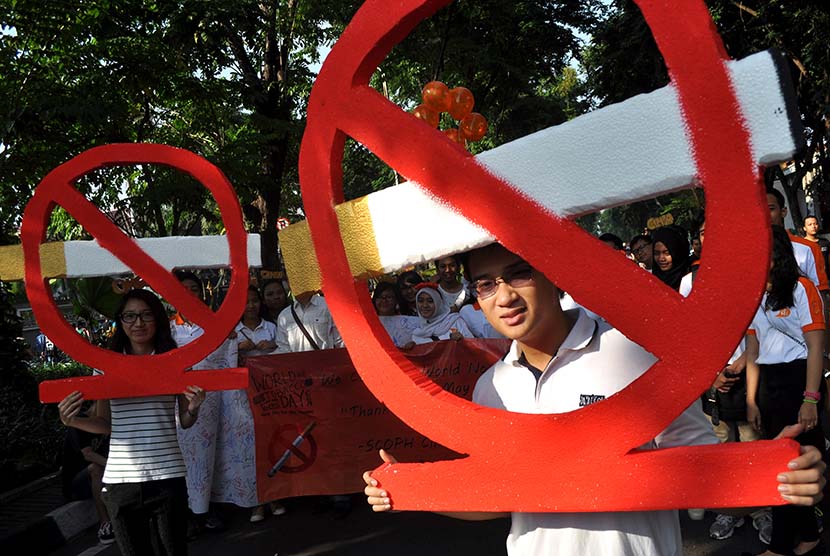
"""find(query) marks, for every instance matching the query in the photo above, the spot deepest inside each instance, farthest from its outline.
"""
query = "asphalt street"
(304, 532)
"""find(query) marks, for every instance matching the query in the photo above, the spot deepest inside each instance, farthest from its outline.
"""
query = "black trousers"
(150, 517)
(780, 395)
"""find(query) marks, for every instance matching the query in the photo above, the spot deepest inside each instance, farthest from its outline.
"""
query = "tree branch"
(748, 10)
(249, 73)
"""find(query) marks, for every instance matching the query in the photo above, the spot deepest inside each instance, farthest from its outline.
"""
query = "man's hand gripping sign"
(585, 460)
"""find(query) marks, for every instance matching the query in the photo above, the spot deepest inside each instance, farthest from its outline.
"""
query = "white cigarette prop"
(561, 168)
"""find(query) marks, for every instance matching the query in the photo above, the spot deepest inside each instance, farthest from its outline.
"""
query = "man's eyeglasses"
(145, 316)
(515, 278)
(641, 248)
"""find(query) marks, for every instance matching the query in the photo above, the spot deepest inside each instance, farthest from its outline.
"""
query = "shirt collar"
(255, 328)
(316, 299)
(582, 332)
(578, 338)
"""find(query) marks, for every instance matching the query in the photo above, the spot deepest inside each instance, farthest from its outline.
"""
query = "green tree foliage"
(513, 56)
(226, 80)
(229, 81)
(623, 60)
(81, 74)
(28, 433)
(629, 220)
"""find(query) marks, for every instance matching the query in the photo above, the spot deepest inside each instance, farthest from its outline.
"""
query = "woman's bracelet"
(808, 400)
(812, 395)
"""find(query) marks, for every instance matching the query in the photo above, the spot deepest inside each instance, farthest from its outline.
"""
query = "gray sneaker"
(105, 534)
(763, 524)
(724, 526)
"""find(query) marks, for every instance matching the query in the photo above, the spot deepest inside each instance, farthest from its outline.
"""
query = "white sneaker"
(277, 508)
(257, 514)
(696, 514)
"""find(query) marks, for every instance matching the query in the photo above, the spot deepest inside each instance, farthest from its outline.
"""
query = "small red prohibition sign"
(133, 375)
(302, 456)
(589, 475)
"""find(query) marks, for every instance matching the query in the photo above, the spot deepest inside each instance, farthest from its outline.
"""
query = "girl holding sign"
(144, 480)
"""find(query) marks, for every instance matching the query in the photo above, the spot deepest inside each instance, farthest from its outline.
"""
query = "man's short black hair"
(639, 238)
(809, 216)
(778, 196)
(464, 259)
(456, 258)
(613, 240)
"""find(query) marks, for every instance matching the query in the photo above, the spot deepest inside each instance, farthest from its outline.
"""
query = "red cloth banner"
(290, 392)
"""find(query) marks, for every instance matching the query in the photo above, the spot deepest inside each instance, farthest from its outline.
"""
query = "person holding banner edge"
(574, 360)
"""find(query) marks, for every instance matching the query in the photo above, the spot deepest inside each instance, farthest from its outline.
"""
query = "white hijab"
(439, 323)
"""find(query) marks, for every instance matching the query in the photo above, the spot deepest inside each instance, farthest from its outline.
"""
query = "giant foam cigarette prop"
(717, 124)
(151, 259)
(633, 150)
(82, 259)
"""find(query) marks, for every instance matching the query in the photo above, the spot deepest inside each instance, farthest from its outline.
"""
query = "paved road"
(302, 533)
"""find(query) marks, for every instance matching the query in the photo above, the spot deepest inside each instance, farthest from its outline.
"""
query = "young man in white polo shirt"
(560, 361)
(807, 255)
(452, 289)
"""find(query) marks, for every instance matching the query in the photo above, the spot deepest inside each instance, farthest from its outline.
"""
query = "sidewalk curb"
(52, 530)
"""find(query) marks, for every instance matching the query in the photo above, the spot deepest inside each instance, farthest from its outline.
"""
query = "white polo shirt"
(265, 330)
(456, 298)
(780, 333)
(317, 320)
(810, 261)
(806, 261)
(477, 322)
(594, 362)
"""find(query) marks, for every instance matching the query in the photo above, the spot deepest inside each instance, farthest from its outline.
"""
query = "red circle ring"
(57, 188)
(343, 104)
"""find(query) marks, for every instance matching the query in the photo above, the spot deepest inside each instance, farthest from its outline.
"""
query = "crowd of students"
(202, 443)
(774, 377)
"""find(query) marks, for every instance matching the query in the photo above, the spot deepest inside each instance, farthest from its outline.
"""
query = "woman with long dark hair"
(144, 479)
(785, 346)
(671, 255)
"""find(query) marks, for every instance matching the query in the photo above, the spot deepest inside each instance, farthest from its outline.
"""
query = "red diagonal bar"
(114, 240)
(457, 179)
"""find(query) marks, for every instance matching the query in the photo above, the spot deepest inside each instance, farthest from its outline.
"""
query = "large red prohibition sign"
(128, 376)
(585, 460)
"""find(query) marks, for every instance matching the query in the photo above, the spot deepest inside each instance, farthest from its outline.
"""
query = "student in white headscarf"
(437, 322)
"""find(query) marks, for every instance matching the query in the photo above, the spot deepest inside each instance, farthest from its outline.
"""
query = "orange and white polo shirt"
(810, 257)
(781, 333)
